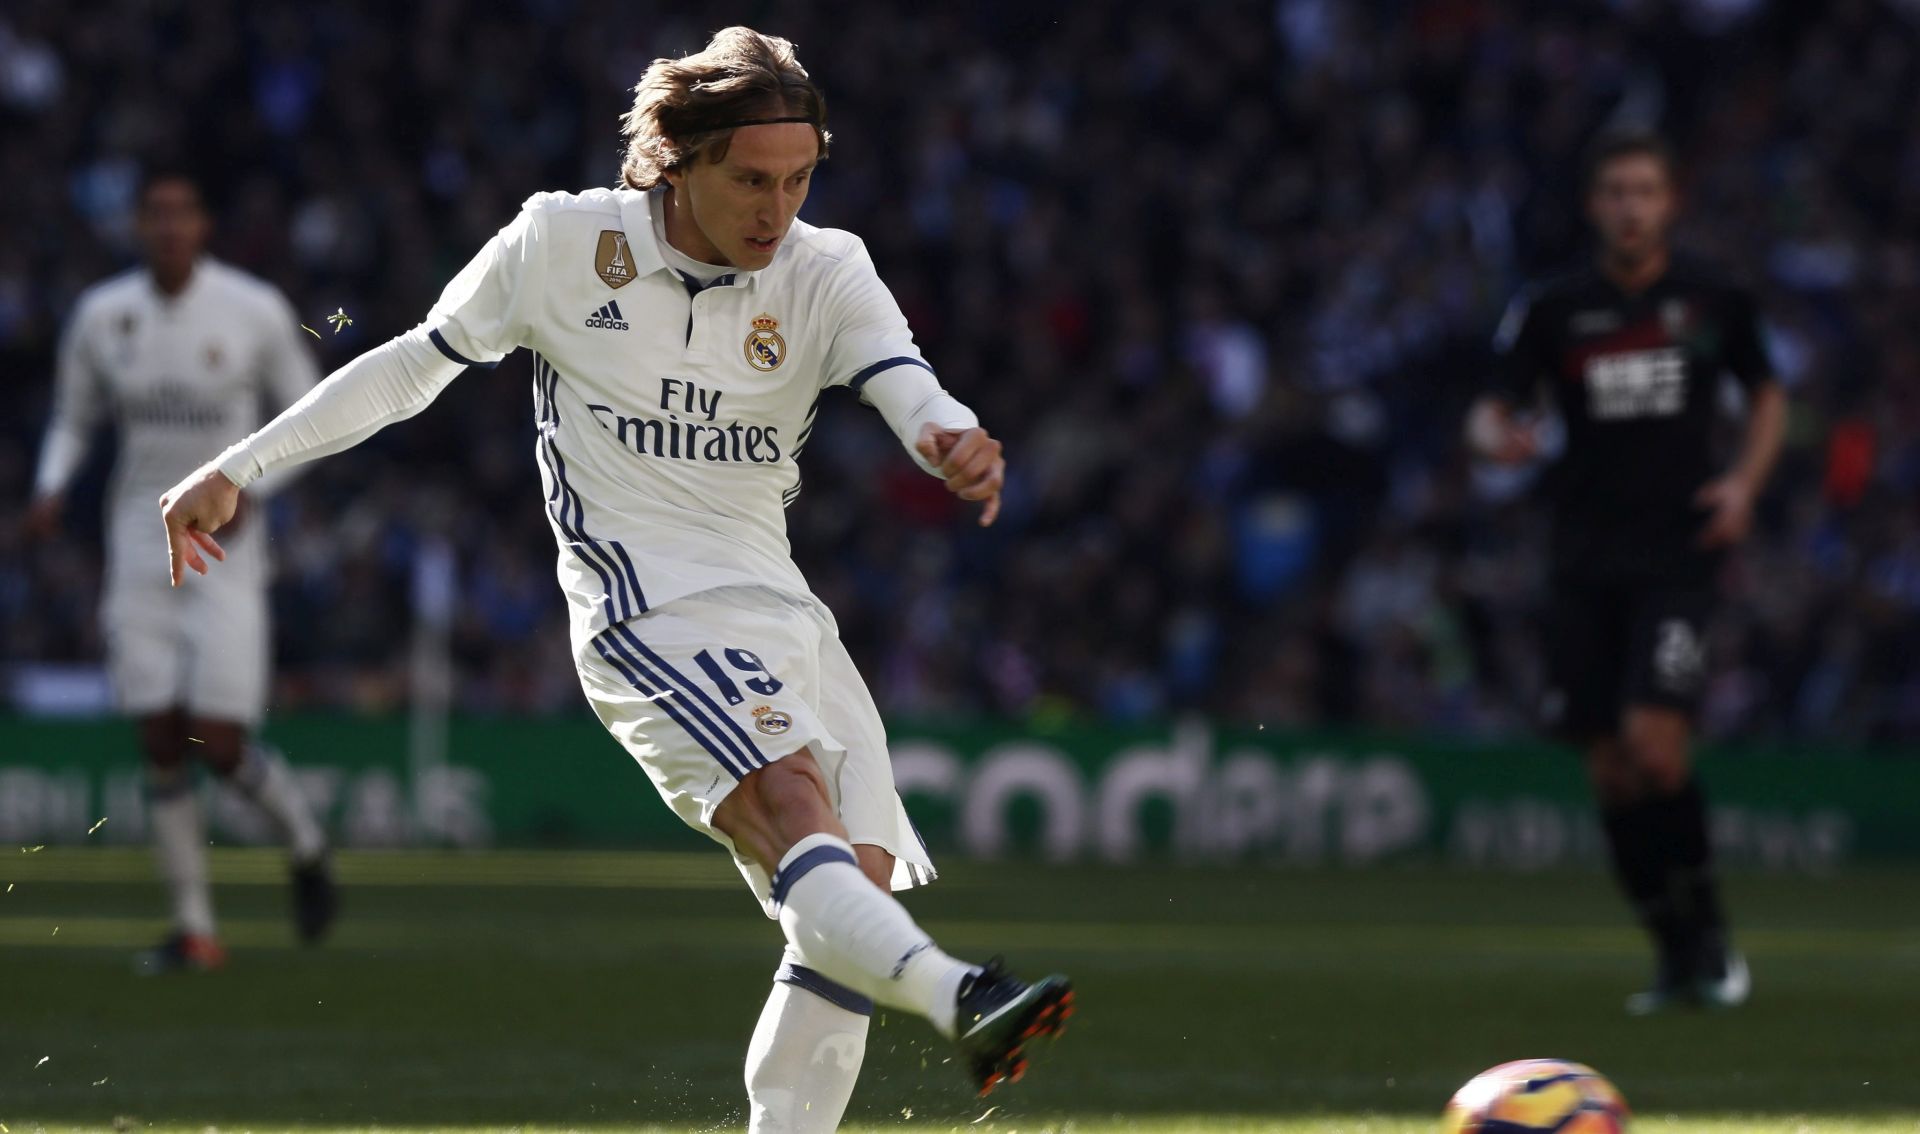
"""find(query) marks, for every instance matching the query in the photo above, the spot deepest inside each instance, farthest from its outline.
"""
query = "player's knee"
(1658, 745)
(218, 744)
(1612, 774)
(775, 807)
(793, 790)
(163, 739)
(1614, 783)
(1665, 769)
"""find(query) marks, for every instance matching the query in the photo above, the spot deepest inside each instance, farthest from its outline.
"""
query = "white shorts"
(201, 646)
(705, 689)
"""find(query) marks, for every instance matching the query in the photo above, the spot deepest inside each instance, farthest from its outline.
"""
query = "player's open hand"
(1729, 501)
(1500, 435)
(1518, 443)
(971, 462)
(192, 510)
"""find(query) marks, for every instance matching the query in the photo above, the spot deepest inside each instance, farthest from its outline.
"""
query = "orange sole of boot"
(1047, 1023)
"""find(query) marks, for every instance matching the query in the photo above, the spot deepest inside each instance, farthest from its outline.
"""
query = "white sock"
(264, 778)
(805, 1054)
(180, 846)
(858, 935)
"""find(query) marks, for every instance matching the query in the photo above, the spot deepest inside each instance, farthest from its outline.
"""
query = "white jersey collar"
(195, 278)
(636, 217)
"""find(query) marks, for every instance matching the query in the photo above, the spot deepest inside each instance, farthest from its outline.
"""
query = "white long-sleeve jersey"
(179, 376)
(669, 410)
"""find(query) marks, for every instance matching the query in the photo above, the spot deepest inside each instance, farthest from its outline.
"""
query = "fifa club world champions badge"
(611, 260)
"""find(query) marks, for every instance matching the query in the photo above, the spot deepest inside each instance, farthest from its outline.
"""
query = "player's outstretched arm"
(288, 373)
(479, 313)
(386, 384)
(192, 510)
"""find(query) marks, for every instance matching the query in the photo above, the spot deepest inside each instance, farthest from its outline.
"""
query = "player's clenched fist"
(198, 505)
(971, 462)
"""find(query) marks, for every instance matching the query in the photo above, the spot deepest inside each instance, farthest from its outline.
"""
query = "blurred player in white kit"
(684, 327)
(179, 355)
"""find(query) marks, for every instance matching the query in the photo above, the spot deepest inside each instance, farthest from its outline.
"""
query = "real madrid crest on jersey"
(770, 720)
(612, 259)
(766, 350)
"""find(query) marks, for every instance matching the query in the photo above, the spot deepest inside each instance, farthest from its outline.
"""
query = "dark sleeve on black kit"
(1745, 351)
(1521, 353)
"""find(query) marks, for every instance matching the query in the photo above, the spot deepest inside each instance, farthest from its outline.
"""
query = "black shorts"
(1610, 646)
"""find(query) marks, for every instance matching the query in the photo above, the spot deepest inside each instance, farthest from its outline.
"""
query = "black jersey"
(1636, 378)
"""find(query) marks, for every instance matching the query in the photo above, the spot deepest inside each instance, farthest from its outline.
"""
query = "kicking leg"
(812, 1036)
(859, 936)
(263, 779)
(179, 847)
(851, 930)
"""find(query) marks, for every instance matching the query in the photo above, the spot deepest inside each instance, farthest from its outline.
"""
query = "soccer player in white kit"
(180, 355)
(684, 327)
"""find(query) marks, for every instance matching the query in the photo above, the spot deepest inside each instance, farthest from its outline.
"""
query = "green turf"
(613, 991)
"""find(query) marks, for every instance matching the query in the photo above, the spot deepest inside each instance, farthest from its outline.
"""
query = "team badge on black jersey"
(766, 350)
(612, 259)
(1674, 316)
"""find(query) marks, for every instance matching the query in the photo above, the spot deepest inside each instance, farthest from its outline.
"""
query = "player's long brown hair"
(678, 103)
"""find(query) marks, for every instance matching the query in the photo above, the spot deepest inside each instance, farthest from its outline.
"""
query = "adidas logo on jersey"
(607, 318)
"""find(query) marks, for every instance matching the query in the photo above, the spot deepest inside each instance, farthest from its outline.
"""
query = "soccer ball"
(1534, 1096)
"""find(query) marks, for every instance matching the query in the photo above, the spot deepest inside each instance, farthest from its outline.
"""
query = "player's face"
(173, 225)
(744, 203)
(1632, 204)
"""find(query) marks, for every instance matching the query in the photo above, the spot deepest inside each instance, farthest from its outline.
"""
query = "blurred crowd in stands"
(1222, 275)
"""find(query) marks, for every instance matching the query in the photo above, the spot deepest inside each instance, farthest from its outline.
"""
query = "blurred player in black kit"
(1631, 352)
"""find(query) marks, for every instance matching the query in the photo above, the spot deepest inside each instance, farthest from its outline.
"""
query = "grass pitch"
(603, 991)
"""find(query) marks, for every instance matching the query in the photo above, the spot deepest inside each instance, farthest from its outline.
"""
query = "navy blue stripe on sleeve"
(860, 378)
(440, 341)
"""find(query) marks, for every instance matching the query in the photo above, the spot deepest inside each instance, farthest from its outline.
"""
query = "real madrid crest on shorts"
(766, 350)
(766, 718)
